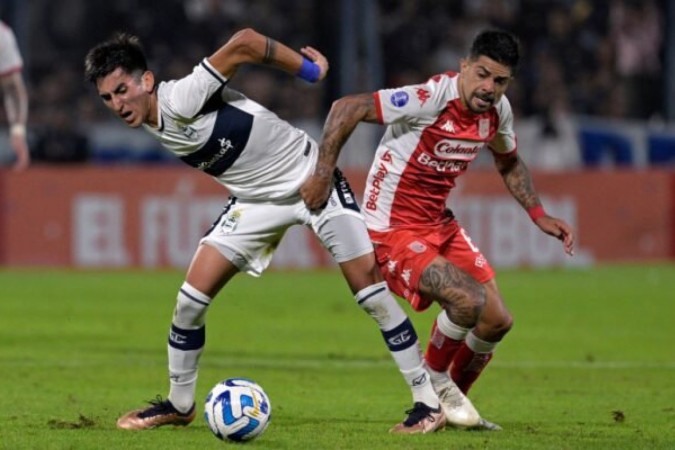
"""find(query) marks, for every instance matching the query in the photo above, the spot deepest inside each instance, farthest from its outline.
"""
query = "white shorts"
(248, 232)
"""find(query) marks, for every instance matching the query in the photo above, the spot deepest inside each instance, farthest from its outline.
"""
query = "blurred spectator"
(637, 32)
(574, 52)
(14, 95)
(60, 142)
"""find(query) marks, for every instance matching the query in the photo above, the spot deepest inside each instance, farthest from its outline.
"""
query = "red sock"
(440, 350)
(467, 366)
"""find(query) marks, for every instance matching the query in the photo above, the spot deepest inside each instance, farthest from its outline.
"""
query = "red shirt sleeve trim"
(378, 107)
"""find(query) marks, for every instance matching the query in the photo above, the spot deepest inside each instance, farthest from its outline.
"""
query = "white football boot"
(458, 409)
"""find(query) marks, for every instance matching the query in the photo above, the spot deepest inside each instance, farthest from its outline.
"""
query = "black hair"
(122, 50)
(498, 45)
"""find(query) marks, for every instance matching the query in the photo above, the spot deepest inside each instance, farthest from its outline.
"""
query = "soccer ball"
(237, 409)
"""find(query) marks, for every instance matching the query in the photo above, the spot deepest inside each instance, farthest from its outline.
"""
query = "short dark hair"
(122, 50)
(498, 45)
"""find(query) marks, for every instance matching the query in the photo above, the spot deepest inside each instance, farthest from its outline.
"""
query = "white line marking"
(216, 361)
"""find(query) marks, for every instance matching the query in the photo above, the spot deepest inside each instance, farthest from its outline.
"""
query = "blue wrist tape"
(309, 71)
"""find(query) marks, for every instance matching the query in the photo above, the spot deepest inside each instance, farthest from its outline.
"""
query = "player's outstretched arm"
(250, 47)
(16, 107)
(345, 114)
(518, 181)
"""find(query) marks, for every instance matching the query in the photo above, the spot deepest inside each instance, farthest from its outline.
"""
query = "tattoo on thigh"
(457, 292)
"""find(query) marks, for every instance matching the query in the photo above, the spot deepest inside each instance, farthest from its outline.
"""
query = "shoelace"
(159, 406)
(417, 413)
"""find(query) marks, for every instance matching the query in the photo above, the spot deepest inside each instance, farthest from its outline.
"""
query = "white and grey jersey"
(243, 145)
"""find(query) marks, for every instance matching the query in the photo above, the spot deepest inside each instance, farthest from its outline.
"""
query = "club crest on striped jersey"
(483, 127)
(399, 98)
(417, 247)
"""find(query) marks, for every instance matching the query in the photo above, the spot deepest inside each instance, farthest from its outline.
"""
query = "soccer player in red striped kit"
(434, 130)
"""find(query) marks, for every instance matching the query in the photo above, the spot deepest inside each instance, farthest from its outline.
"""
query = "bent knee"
(494, 327)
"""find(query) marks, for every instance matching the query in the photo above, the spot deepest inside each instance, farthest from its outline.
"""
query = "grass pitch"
(590, 363)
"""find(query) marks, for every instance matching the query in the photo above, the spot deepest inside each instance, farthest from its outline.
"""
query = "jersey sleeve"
(412, 103)
(188, 95)
(10, 58)
(504, 142)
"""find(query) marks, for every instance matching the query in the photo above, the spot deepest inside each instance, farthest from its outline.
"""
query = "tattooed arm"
(344, 116)
(518, 181)
(249, 46)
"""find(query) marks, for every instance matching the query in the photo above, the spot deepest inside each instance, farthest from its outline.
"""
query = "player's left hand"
(20, 147)
(317, 57)
(559, 229)
(316, 190)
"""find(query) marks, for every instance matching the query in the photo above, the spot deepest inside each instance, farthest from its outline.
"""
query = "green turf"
(589, 364)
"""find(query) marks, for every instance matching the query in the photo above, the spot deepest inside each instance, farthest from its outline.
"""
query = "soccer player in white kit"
(14, 94)
(262, 161)
(434, 131)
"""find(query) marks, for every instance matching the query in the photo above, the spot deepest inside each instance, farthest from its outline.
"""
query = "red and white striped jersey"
(430, 140)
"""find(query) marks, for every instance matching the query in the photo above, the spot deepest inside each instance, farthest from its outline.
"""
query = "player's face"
(482, 83)
(129, 96)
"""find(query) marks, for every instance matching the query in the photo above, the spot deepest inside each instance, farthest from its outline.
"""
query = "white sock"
(401, 339)
(186, 343)
(438, 378)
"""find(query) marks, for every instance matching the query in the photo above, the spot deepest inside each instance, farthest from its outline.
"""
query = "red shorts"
(404, 254)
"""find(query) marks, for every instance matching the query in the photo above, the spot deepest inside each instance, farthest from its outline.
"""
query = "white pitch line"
(216, 361)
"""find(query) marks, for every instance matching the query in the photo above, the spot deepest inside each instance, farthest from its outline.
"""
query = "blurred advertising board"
(153, 217)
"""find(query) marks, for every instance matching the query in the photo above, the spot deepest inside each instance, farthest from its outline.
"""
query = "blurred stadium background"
(595, 115)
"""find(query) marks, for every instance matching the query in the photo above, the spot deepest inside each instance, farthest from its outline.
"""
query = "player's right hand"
(315, 191)
(317, 57)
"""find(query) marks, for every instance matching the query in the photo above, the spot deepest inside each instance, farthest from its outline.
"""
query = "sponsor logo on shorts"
(480, 261)
(399, 98)
(391, 265)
